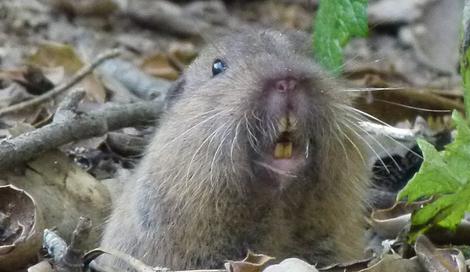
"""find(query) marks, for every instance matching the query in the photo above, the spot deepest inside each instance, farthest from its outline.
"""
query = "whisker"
(274, 169)
(366, 115)
(194, 126)
(209, 138)
(377, 142)
(233, 144)
(358, 150)
(411, 107)
(360, 120)
(367, 89)
(369, 145)
(226, 134)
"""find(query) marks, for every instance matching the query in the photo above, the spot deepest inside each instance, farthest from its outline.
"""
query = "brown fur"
(198, 196)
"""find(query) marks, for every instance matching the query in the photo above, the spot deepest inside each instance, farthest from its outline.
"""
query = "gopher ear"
(175, 91)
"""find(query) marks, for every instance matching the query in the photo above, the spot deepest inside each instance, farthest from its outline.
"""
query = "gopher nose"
(285, 85)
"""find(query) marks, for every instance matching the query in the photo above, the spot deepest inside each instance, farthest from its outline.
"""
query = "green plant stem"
(465, 56)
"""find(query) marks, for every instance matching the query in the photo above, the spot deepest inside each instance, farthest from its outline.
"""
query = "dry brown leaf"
(182, 54)
(31, 77)
(21, 226)
(63, 192)
(159, 65)
(394, 263)
(355, 265)
(13, 74)
(53, 55)
(439, 260)
(251, 263)
(389, 222)
(43, 266)
(136, 264)
(86, 7)
(54, 74)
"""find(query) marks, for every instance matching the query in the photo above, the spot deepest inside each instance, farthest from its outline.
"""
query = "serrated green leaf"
(434, 177)
(445, 175)
(336, 22)
(465, 55)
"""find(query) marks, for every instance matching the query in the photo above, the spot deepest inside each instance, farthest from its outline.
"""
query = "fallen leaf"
(389, 222)
(86, 7)
(53, 55)
(251, 263)
(43, 266)
(394, 263)
(439, 260)
(21, 226)
(291, 265)
(31, 77)
(138, 265)
(159, 65)
(63, 192)
(182, 54)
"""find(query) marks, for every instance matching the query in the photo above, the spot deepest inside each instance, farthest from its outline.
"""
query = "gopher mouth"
(284, 144)
(288, 154)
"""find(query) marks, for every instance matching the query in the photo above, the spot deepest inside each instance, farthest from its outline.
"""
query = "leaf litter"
(58, 37)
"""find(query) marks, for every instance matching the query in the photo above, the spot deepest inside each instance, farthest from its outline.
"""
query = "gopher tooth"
(279, 151)
(292, 122)
(283, 150)
(288, 150)
(282, 124)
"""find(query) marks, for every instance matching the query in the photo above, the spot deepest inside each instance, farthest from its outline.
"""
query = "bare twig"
(55, 245)
(73, 255)
(68, 258)
(76, 127)
(132, 262)
(68, 105)
(70, 102)
(396, 133)
(139, 83)
(194, 19)
(82, 73)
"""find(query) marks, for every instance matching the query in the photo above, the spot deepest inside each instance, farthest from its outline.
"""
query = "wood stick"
(76, 127)
(82, 73)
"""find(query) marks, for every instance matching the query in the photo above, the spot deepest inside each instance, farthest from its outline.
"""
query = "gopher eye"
(218, 66)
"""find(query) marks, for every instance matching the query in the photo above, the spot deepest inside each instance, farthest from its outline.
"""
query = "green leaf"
(446, 176)
(336, 22)
(465, 55)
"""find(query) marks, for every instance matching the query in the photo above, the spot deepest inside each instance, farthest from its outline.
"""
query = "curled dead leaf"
(389, 222)
(291, 265)
(53, 55)
(63, 192)
(136, 264)
(43, 266)
(86, 7)
(251, 263)
(355, 265)
(393, 263)
(160, 65)
(437, 260)
(21, 227)
(182, 54)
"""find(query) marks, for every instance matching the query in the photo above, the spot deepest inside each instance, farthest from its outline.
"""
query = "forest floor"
(60, 59)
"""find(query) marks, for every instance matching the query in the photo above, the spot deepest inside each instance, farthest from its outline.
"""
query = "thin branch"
(72, 258)
(68, 258)
(396, 133)
(74, 127)
(136, 264)
(82, 73)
